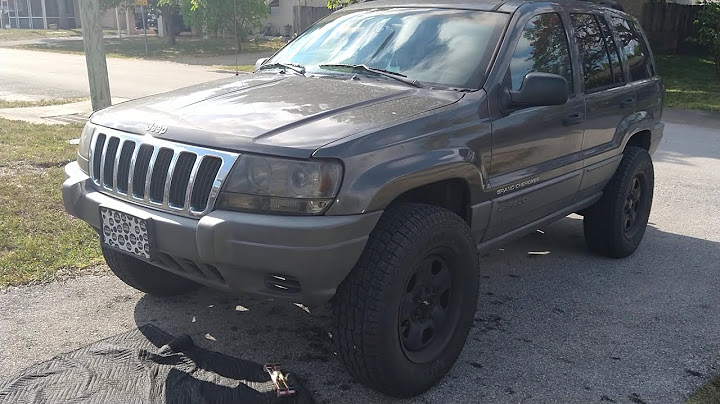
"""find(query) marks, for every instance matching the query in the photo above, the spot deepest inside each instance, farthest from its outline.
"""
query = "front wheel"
(405, 310)
(615, 225)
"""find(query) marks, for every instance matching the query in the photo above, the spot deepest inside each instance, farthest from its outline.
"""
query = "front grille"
(164, 175)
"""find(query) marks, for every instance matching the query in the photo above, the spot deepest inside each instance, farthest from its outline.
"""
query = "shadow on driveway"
(563, 325)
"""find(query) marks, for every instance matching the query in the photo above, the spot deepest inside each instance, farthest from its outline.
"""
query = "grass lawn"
(241, 68)
(707, 394)
(39, 103)
(38, 238)
(690, 81)
(15, 34)
(158, 48)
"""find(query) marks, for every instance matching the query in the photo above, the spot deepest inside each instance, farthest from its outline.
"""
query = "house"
(288, 17)
(45, 14)
(39, 14)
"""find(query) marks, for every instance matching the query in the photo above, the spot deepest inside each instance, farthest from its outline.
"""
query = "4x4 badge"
(156, 128)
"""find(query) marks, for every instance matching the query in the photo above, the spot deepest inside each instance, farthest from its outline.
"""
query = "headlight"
(84, 147)
(270, 184)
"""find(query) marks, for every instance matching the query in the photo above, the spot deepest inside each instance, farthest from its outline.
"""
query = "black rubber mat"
(146, 365)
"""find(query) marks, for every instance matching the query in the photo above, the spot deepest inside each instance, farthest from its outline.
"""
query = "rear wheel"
(146, 277)
(405, 310)
(616, 224)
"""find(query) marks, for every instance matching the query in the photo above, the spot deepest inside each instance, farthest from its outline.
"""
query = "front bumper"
(298, 258)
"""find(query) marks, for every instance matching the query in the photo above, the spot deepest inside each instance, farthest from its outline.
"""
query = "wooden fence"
(305, 16)
(669, 27)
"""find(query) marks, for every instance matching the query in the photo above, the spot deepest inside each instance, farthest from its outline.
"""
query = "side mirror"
(260, 62)
(538, 89)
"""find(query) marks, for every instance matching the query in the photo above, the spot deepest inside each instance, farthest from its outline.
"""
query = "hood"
(272, 113)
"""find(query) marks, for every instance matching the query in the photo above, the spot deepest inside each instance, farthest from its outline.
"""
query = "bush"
(709, 30)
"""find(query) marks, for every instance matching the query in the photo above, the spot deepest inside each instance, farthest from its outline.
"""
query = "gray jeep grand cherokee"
(368, 160)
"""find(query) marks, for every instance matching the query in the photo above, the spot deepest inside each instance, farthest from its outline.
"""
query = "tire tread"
(601, 220)
(359, 298)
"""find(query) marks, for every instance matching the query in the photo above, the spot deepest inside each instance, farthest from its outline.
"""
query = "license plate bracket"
(127, 233)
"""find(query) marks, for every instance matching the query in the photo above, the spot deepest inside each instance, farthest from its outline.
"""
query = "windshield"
(444, 47)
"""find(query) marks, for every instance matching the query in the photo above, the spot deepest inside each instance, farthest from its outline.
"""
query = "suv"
(367, 161)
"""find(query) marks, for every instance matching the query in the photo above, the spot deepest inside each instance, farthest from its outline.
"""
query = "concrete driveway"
(562, 327)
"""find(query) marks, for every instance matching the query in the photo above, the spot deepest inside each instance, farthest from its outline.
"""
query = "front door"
(535, 164)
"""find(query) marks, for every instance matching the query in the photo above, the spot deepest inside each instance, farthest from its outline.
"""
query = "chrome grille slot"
(123, 170)
(160, 174)
(208, 170)
(181, 179)
(108, 162)
(165, 175)
(99, 145)
(141, 169)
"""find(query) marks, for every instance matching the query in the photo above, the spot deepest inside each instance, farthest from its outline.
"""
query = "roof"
(482, 5)
(460, 4)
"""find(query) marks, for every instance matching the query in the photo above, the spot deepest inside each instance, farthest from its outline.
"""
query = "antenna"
(237, 40)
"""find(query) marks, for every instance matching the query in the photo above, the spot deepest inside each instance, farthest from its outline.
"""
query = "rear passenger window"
(615, 64)
(634, 47)
(543, 48)
(595, 59)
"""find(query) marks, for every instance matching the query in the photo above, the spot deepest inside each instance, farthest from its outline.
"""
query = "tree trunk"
(62, 13)
(169, 20)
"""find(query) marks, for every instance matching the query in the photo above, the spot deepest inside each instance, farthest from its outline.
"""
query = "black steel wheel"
(632, 204)
(427, 313)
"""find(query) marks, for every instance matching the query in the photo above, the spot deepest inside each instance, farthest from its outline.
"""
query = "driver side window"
(543, 47)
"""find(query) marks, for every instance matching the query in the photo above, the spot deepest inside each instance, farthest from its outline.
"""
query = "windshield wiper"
(382, 72)
(300, 69)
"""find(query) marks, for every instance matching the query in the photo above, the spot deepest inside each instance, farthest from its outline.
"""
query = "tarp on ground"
(146, 365)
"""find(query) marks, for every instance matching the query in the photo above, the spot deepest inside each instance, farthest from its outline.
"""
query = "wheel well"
(452, 194)
(640, 139)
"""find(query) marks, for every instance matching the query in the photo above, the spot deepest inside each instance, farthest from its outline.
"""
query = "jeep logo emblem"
(156, 128)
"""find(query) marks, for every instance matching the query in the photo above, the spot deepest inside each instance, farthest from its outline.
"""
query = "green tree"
(106, 4)
(336, 4)
(213, 17)
(169, 9)
(709, 30)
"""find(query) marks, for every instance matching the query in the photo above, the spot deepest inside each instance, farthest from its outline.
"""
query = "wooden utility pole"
(95, 54)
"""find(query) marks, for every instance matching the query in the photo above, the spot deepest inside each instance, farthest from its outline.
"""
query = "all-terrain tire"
(608, 227)
(146, 277)
(370, 334)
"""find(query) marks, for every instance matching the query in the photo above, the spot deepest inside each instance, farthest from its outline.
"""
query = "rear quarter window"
(634, 47)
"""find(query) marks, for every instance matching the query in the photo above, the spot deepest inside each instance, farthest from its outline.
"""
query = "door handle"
(574, 118)
(627, 102)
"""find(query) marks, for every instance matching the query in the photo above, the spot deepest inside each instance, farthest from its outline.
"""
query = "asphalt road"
(31, 75)
(566, 327)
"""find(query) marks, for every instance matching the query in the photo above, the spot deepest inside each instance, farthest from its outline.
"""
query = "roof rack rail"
(607, 3)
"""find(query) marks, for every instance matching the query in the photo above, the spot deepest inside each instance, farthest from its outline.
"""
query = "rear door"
(609, 97)
(642, 74)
